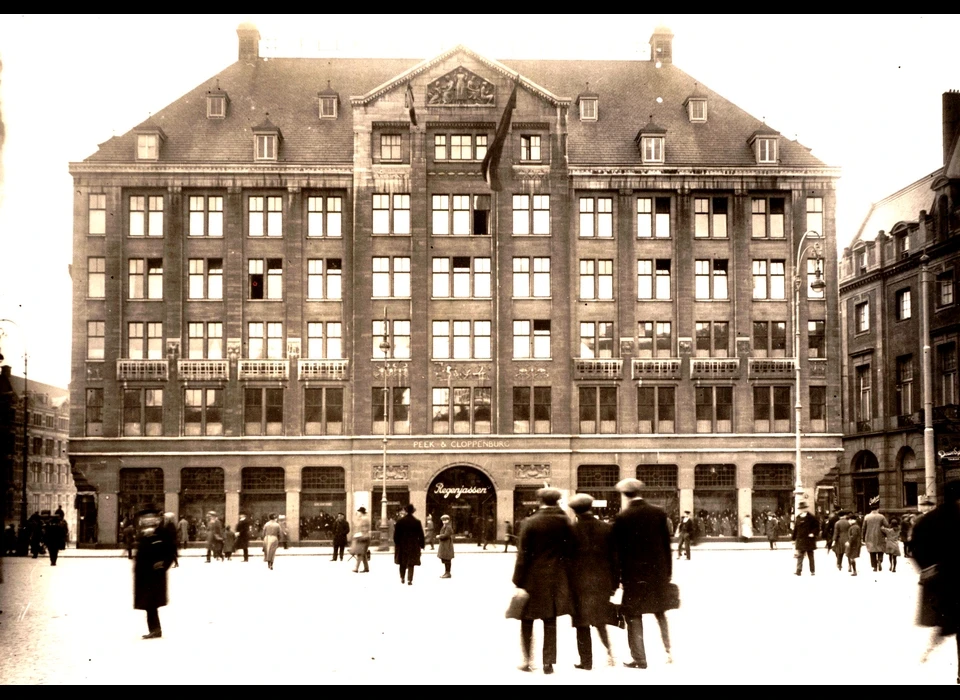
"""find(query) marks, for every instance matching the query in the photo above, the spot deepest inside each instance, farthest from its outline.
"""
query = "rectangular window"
(815, 215)
(205, 216)
(769, 279)
(324, 217)
(148, 146)
(328, 107)
(535, 345)
(653, 217)
(769, 338)
(947, 370)
(96, 278)
(97, 215)
(816, 339)
(256, 341)
(714, 409)
(262, 411)
(531, 214)
(814, 272)
(94, 413)
(596, 339)
(390, 147)
(712, 339)
(527, 283)
(324, 278)
(862, 314)
(530, 148)
(596, 279)
(710, 279)
(324, 340)
(652, 149)
(945, 289)
(266, 145)
(771, 409)
(863, 404)
(656, 409)
(205, 278)
(391, 214)
(766, 150)
(588, 110)
(397, 404)
(904, 310)
(767, 217)
(144, 341)
(95, 339)
(598, 409)
(265, 216)
(818, 409)
(265, 286)
(391, 278)
(710, 217)
(531, 409)
(654, 339)
(596, 217)
(905, 385)
(146, 215)
(397, 334)
(461, 410)
(142, 412)
(461, 147)
(323, 411)
(461, 340)
(440, 147)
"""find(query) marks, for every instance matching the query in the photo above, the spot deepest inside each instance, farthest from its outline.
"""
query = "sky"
(864, 92)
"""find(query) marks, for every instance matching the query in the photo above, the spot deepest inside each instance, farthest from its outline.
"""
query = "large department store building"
(297, 272)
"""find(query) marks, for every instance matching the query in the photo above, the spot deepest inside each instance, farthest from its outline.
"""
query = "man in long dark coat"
(341, 528)
(214, 537)
(543, 560)
(243, 536)
(55, 538)
(408, 542)
(805, 531)
(839, 539)
(642, 544)
(592, 577)
(155, 552)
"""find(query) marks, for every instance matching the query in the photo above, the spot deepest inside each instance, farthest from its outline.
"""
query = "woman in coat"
(746, 529)
(408, 541)
(445, 550)
(155, 553)
(229, 541)
(271, 540)
(892, 534)
(854, 542)
(592, 575)
(430, 532)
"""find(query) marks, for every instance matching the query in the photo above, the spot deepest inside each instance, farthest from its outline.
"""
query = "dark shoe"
(635, 664)
(547, 669)
(156, 634)
(798, 573)
(409, 583)
(584, 667)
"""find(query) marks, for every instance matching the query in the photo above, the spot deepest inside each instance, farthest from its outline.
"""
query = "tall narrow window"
(390, 147)
(596, 217)
(95, 340)
(94, 412)
(598, 409)
(96, 278)
(596, 339)
(391, 214)
(815, 215)
(323, 411)
(863, 406)
(530, 148)
(710, 217)
(903, 308)
(947, 370)
(816, 339)
(146, 215)
(862, 315)
(656, 409)
(203, 412)
(818, 409)
(265, 216)
(97, 213)
(905, 385)
(324, 217)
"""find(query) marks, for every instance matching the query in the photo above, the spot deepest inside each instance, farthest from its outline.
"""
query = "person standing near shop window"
(408, 542)
(361, 541)
(243, 536)
(341, 528)
(445, 549)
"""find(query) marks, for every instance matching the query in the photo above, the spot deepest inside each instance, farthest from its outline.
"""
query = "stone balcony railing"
(203, 370)
(656, 368)
(142, 370)
(770, 368)
(714, 367)
(597, 368)
(263, 369)
(335, 370)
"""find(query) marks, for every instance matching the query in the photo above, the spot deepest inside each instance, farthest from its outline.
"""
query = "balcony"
(142, 370)
(650, 368)
(263, 369)
(715, 368)
(947, 412)
(602, 368)
(764, 368)
(330, 370)
(910, 420)
(203, 370)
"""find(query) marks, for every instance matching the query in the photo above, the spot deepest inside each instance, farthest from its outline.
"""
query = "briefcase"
(517, 604)
(671, 596)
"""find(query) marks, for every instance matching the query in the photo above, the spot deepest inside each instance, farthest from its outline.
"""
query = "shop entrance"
(467, 495)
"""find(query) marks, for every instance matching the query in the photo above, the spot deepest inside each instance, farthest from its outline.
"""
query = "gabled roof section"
(902, 206)
(953, 165)
(493, 65)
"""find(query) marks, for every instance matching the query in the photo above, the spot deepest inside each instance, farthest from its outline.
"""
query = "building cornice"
(162, 169)
(699, 171)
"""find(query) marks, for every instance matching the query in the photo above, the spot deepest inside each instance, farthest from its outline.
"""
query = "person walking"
(873, 537)
(593, 571)
(408, 542)
(129, 538)
(55, 538)
(841, 535)
(430, 532)
(284, 531)
(805, 531)
(510, 538)
(229, 542)
(892, 534)
(341, 528)
(214, 536)
(542, 570)
(934, 547)
(155, 551)
(271, 539)
(361, 541)
(746, 528)
(685, 531)
(445, 548)
(170, 525)
(770, 525)
(183, 532)
(243, 536)
(644, 561)
(853, 544)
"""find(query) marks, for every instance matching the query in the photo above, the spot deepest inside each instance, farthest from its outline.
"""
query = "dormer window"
(216, 105)
(148, 143)
(588, 105)
(652, 143)
(697, 109)
(329, 101)
(765, 145)
(267, 138)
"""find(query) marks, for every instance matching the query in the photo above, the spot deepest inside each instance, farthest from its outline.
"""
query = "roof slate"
(904, 205)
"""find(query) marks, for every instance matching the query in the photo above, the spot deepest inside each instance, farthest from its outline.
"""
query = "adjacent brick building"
(281, 265)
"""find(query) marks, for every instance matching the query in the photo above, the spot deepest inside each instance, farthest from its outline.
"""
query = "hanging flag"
(491, 161)
(408, 103)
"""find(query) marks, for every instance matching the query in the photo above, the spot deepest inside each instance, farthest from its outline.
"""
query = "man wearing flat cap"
(641, 540)
(542, 570)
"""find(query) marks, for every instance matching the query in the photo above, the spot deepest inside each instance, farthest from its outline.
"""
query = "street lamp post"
(26, 411)
(385, 349)
(817, 285)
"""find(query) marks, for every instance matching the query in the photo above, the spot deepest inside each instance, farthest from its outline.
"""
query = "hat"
(361, 509)
(686, 512)
(581, 503)
(875, 502)
(549, 496)
(927, 502)
(802, 504)
(630, 487)
(410, 508)
(444, 517)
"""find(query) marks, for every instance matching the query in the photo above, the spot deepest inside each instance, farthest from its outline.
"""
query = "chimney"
(661, 45)
(951, 124)
(249, 42)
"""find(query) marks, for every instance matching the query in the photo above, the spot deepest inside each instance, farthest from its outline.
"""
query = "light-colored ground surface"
(745, 619)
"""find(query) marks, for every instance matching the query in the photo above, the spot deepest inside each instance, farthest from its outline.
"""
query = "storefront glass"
(467, 495)
(398, 497)
(139, 489)
(322, 496)
(262, 492)
(201, 490)
(660, 488)
(600, 481)
(715, 499)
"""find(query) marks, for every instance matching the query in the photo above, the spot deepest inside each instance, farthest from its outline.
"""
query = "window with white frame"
(328, 106)
(397, 333)
(652, 149)
(531, 339)
(265, 340)
(391, 214)
(653, 217)
(461, 277)
(946, 389)
(766, 150)
(771, 409)
(205, 340)
(531, 214)
(216, 106)
(814, 272)
(903, 308)
(325, 340)
(205, 278)
(710, 217)
(146, 215)
(531, 409)
(769, 338)
(588, 109)
(769, 279)
(145, 278)
(324, 278)
(767, 217)
(710, 279)
(904, 385)
(96, 278)
(93, 413)
(712, 339)
(697, 110)
(97, 215)
(596, 217)
(148, 146)
(460, 215)
(461, 410)
(391, 277)
(656, 409)
(142, 412)
(596, 339)
(203, 412)
(596, 279)
(816, 338)
(459, 146)
(262, 411)
(265, 216)
(530, 148)
(265, 278)
(653, 279)
(863, 389)
(144, 340)
(861, 314)
(654, 339)
(597, 409)
(531, 278)
(391, 147)
(461, 340)
(96, 331)
(714, 409)
(324, 217)
(266, 146)
(205, 216)
(815, 215)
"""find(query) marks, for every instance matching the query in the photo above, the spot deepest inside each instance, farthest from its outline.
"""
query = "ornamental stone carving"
(395, 472)
(531, 373)
(461, 88)
(474, 372)
(539, 472)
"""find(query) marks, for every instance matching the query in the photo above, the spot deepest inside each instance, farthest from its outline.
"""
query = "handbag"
(518, 601)
(671, 596)
(615, 616)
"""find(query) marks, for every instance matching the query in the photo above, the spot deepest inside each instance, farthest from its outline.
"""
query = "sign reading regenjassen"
(457, 491)
(458, 444)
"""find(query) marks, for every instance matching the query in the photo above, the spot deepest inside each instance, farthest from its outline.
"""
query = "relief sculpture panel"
(461, 88)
